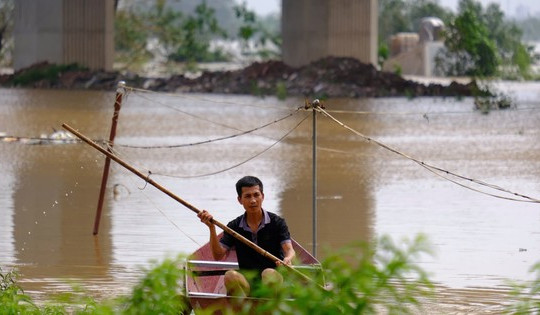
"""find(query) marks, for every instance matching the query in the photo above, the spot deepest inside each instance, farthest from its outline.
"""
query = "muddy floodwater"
(198, 145)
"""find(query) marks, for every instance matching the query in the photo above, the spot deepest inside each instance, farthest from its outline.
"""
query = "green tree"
(470, 51)
(198, 30)
(483, 43)
(393, 18)
(261, 33)
(397, 16)
(184, 31)
(144, 31)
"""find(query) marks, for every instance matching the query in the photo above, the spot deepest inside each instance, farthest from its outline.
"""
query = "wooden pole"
(150, 181)
(112, 135)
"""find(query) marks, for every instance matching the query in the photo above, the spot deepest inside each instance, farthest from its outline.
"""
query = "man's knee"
(236, 283)
(271, 277)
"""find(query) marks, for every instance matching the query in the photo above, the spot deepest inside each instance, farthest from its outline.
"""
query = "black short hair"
(248, 181)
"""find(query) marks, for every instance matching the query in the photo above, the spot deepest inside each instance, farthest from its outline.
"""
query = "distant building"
(414, 53)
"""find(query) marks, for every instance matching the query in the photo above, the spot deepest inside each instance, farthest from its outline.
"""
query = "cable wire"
(435, 169)
(202, 99)
(210, 140)
(241, 163)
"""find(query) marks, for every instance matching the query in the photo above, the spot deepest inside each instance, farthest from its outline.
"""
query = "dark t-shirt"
(272, 233)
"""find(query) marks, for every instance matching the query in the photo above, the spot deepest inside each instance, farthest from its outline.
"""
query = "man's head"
(250, 194)
(248, 181)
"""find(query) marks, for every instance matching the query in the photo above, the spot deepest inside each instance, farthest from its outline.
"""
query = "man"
(266, 229)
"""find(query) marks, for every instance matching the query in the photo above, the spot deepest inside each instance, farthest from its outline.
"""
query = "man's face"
(252, 199)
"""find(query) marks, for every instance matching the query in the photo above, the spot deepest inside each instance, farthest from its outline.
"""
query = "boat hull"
(204, 282)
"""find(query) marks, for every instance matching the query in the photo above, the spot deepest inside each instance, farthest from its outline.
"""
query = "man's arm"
(217, 250)
(288, 252)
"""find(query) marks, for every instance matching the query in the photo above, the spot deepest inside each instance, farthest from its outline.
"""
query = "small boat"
(204, 282)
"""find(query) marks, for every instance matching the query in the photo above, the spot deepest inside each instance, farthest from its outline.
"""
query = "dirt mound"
(327, 77)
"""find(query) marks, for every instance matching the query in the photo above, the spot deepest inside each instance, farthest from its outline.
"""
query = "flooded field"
(50, 191)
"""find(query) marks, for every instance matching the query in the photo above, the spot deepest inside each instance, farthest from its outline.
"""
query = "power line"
(210, 140)
(437, 170)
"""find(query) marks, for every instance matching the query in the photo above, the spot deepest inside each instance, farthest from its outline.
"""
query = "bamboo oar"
(150, 181)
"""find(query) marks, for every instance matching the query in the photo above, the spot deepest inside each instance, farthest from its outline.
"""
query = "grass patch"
(48, 72)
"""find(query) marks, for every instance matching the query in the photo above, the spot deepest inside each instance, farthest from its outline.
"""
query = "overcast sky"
(521, 8)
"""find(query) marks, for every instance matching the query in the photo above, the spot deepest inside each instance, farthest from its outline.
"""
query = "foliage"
(485, 104)
(267, 41)
(359, 279)
(482, 43)
(159, 31)
(163, 32)
(195, 38)
(13, 300)
(362, 279)
(281, 90)
(397, 16)
(158, 292)
(130, 38)
(527, 295)
(479, 41)
(383, 54)
(470, 51)
(48, 72)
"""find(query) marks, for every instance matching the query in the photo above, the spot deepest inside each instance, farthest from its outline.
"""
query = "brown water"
(49, 192)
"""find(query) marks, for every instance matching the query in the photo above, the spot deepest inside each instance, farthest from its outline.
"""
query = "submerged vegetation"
(358, 279)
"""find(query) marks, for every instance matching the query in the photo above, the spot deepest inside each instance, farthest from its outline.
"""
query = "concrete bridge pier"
(64, 32)
(313, 29)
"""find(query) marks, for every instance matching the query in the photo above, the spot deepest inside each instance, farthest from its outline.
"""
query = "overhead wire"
(189, 114)
(389, 113)
(435, 169)
(202, 99)
(243, 162)
(210, 140)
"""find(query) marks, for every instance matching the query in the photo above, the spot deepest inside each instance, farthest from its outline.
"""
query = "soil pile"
(327, 77)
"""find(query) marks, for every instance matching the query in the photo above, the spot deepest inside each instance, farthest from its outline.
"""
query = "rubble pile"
(327, 77)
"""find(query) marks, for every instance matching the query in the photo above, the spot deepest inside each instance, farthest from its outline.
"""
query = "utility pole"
(314, 105)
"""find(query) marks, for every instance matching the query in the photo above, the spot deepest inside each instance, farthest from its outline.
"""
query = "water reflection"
(53, 192)
(344, 203)
(55, 205)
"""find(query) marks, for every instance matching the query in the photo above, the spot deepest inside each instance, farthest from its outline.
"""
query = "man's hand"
(289, 254)
(286, 261)
(217, 251)
(206, 218)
